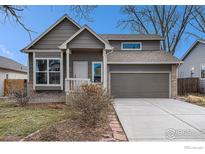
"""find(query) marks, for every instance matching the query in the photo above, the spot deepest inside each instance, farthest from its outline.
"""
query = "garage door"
(140, 85)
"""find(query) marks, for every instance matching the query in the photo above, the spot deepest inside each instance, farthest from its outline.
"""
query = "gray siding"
(194, 59)
(47, 54)
(139, 67)
(89, 56)
(56, 36)
(30, 63)
(85, 40)
(146, 45)
(142, 85)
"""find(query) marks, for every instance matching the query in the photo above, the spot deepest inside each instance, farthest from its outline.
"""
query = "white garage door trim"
(144, 72)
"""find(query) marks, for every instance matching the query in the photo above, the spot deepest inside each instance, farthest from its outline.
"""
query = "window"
(54, 71)
(203, 71)
(97, 71)
(48, 71)
(131, 45)
(41, 71)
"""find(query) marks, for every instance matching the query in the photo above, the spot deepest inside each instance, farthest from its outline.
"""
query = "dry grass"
(17, 122)
(198, 99)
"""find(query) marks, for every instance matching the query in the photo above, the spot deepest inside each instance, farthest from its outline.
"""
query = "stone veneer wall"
(174, 81)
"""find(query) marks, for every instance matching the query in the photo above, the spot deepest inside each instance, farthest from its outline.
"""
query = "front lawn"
(198, 99)
(17, 122)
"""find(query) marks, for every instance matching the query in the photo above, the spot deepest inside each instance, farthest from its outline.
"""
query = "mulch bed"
(69, 130)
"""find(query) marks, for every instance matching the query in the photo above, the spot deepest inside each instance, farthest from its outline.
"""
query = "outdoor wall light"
(192, 71)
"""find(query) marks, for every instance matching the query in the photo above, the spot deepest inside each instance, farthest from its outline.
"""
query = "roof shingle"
(131, 37)
(142, 57)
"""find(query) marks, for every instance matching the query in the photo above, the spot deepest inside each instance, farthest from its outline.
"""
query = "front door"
(80, 69)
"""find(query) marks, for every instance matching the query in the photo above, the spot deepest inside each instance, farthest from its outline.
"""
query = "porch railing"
(74, 83)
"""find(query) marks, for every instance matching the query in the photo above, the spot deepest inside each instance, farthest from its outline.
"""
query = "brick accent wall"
(174, 81)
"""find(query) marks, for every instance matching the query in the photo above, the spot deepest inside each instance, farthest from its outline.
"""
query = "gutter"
(180, 62)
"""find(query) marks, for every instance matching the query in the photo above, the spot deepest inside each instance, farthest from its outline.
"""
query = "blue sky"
(39, 18)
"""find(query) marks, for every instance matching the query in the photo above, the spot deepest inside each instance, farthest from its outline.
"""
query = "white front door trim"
(93, 63)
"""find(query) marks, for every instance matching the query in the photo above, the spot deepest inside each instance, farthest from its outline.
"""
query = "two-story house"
(127, 65)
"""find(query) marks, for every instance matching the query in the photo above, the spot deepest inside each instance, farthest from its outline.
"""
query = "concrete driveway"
(161, 120)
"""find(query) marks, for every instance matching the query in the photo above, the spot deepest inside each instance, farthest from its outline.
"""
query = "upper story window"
(131, 46)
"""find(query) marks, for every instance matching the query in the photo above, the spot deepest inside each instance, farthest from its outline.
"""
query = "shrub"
(198, 99)
(93, 104)
(18, 96)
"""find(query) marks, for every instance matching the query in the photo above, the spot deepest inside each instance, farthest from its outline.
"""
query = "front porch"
(84, 66)
(74, 83)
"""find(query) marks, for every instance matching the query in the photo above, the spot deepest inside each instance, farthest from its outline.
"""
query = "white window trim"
(34, 71)
(93, 63)
(60, 84)
(131, 43)
(201, 70)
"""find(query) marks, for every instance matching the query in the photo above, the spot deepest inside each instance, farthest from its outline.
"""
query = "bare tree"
(82, 11)
(11, 12)
(199, 22)
(14, 13)
(168, 21)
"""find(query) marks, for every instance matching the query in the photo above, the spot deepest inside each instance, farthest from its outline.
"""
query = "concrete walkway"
(161, 120)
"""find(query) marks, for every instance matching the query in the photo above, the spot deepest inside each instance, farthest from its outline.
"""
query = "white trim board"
(145, 62)
(34, 71)
(44, 50)
(61, 71)
(97, 62)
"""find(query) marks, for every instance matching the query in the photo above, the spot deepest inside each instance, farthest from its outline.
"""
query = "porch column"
(61, 70)
(67, 70)
(105, 69)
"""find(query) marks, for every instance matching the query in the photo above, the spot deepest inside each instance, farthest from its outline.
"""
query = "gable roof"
(131, 37)
(192, 47)
(6, 63)
(49, 29)
(85, 27)
(142, 57)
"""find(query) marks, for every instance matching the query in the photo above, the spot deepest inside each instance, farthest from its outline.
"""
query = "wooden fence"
(14, 84)
(188, 85)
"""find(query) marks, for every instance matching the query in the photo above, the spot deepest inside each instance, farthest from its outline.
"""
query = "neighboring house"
(10, 69)
(194, 63)
(127, 65)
